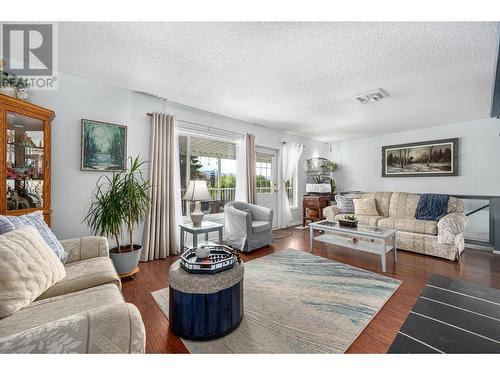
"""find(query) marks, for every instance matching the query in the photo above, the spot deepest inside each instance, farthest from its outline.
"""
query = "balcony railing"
(222, 196)
(268, 190)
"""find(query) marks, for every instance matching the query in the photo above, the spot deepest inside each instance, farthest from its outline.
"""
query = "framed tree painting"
(104, 146)
(425, 159)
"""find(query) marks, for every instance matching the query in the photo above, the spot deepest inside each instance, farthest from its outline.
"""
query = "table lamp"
(197, 191)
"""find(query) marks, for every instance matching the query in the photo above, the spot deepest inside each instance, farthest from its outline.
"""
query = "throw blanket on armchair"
(432, 206)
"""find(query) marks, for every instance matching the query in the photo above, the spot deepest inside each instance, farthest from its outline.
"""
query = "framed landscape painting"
(426, 159)
(104, 146)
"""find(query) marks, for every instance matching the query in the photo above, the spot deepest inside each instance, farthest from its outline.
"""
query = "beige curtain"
(160, 237)
(251, 181)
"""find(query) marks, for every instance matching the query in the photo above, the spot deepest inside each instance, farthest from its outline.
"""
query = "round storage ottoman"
(205, 307)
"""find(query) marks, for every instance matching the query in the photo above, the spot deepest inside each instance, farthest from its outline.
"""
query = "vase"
(202, 251)
(22, 93)
(126, 261)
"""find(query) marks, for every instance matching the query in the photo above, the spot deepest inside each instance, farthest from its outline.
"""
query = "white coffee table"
(363, 238)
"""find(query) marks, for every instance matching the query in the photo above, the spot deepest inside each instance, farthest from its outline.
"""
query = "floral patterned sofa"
(83, 313)
(396, 210)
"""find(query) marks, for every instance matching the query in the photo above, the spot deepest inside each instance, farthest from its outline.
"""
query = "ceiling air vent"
(371, 96)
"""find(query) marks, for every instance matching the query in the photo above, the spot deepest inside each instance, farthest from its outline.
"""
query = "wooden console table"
(318, 202)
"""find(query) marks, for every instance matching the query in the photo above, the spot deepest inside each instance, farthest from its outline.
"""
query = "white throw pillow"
(365, 206)
(28, 267)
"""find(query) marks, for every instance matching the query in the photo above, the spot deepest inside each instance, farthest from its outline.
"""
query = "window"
(264, 173)
(211, 160)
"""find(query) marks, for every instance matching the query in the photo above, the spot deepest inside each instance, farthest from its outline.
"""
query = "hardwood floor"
(413, 269)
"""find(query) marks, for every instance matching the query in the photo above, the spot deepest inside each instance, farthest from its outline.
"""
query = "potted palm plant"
(118, 205)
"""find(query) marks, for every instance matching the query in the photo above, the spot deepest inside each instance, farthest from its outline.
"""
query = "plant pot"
(127, 260)
(8, 90)
(348, 223)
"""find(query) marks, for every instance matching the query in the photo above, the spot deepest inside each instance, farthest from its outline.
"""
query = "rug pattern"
(296, 302)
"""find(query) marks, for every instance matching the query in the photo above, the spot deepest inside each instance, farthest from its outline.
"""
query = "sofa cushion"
(371, 221)
(403, 205)
(260, 226)
(50, 309)
(36, 220)
(410, 225)
(84, 274)
(382, 199)
(28, 267)
(365, 206)
(345, 204)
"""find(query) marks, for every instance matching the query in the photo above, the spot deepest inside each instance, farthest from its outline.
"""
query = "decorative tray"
(221, 258)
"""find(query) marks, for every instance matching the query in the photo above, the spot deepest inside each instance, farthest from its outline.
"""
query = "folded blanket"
(432, 206)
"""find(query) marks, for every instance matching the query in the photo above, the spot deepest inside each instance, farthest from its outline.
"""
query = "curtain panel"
(290, 156)
(251, 180)
(246, 183)
(160, 236)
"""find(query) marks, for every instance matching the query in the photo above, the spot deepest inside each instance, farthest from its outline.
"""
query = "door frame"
(276, 152)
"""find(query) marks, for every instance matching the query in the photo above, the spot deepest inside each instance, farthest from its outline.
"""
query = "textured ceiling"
(299, 77)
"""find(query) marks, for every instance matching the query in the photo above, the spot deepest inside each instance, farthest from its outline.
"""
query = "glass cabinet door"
(25, 162)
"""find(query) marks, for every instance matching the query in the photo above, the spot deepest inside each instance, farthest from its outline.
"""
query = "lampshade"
(197, 191)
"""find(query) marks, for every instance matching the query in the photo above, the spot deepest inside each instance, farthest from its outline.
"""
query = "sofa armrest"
(331, 211)
(450, 226)
(85, 248)
(114, 328)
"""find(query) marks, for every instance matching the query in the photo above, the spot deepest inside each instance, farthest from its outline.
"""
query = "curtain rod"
(284, 143)
(203, 125)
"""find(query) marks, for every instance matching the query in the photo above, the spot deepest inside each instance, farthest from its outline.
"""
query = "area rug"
(451, 316)
(296, 302)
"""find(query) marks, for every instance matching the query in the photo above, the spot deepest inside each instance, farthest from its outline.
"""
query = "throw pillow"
(365, 206)
(28, 267)
(34, 219)
(345, 204)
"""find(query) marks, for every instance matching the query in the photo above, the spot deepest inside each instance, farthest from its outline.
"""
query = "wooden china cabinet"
(24, 157)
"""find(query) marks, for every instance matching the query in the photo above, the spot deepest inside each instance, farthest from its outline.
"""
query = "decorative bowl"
(348, 223)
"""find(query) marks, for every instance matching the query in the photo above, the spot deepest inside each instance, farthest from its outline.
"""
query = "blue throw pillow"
(345, 204)
(35, 219)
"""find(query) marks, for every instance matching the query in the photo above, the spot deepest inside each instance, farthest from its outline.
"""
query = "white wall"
(360, 161)
(79, 98)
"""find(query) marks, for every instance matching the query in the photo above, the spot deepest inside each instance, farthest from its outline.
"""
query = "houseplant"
(12, 85)
(118, 204)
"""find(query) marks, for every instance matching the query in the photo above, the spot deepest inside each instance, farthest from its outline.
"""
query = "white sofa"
(396, 210)
(83, 313)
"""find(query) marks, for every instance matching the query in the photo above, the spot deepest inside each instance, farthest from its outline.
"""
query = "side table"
(205, 228)
(205, 307)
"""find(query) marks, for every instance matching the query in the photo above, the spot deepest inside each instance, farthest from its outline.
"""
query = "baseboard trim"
(476, 237)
